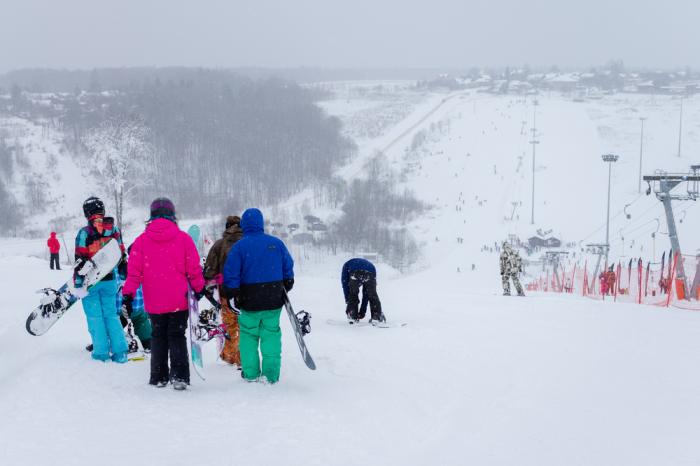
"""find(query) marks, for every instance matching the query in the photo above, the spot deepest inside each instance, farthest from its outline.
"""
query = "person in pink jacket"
(163, 259)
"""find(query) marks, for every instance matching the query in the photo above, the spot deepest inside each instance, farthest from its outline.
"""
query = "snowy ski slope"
(474, 378)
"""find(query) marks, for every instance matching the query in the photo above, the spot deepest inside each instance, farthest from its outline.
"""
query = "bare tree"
(121, 150)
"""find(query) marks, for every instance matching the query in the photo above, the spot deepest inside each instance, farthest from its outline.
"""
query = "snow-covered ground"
(474, 378)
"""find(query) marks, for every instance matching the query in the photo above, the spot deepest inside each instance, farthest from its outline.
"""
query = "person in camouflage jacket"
(511, 264)
(214, 265)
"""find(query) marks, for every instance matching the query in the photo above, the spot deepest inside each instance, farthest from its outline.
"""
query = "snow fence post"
(585, 277)
(639, 276)
(617, 283)
(573, 279)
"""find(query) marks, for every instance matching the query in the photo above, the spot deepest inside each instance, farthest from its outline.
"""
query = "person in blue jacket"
(257, 272)
(361, 273)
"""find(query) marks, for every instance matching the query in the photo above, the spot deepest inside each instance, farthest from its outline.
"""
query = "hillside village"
(592, 84)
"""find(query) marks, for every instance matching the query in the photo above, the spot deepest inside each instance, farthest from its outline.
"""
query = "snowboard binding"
(207, 328)
(304, 319)
(131, 339)
(52, 301)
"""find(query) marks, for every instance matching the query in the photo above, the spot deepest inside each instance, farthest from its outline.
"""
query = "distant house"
(444, 77)
(563, 83)
(536, 241)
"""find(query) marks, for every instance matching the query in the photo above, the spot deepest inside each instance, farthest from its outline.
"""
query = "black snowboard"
(297, 333)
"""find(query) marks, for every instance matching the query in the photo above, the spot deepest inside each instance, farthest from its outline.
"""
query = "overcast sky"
(86, 34)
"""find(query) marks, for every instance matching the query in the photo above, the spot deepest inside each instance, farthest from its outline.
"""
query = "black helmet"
(162, 207)
(93, 206)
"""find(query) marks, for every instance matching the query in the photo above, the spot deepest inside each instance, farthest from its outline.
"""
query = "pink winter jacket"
(163, 258)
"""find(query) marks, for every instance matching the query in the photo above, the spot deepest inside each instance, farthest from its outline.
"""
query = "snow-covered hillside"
(474, 378)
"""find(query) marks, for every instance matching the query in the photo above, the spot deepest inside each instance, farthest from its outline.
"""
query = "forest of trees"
(222, 141)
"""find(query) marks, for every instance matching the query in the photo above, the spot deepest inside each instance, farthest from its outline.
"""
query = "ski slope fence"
(677, 284)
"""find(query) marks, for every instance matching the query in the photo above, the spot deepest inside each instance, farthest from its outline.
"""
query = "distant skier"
(100, 303)
(511, 264)
(163, 259)
(258, 270)
(54, 248)
(361, 273)
(216, 260)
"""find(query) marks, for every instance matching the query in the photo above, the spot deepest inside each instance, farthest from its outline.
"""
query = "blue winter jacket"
(351, 266)
(258, 268)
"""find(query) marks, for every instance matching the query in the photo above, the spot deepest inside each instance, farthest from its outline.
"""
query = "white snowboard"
(388, 324)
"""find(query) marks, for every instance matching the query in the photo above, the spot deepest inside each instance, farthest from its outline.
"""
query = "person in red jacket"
(54, 248)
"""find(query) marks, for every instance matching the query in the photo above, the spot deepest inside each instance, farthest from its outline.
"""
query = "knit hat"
(232, 220)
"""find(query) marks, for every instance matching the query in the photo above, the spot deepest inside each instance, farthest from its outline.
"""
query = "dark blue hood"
(252, 222)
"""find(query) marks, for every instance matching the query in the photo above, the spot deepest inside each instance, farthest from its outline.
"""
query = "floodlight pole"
(534, 143)
(610, 159)
(641, 145)
(680, 127)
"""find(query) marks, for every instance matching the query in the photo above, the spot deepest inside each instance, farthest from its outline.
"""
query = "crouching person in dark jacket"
(361, 273)
(257, 272)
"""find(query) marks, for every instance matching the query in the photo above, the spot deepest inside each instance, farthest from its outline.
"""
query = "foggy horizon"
(78, 35)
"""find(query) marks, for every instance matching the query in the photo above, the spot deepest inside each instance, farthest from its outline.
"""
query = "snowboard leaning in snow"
(390, 324)
(55, 303)
(195, 347)
(297, 333)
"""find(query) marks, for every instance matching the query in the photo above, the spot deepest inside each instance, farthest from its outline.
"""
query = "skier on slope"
(99, 304)
(511, 264)
(257, 272)
(54, 248)
(361, 273)
(163, 259)
(216, 259)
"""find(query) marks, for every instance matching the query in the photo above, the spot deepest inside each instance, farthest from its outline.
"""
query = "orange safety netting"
(677, 284)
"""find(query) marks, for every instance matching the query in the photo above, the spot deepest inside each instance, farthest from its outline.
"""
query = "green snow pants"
(261, 328)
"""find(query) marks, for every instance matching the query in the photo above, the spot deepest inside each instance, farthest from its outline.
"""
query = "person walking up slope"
(163, 259)
(257, 272)
(100, 303)
(511, 264)
(54, 248)
(216, 259)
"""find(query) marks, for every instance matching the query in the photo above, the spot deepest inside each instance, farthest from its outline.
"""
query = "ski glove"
(502, 272)
(233, 305)
(127, 306)
(122, 268)
(80, 292)
(288, 284)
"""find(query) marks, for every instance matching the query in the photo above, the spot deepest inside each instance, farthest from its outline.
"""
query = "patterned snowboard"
(55, 303)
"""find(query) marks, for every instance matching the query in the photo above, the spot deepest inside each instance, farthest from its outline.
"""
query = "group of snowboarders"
(257, 272)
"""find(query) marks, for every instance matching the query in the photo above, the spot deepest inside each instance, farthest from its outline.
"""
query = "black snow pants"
(168, 337)
(55, 260)
(368, 282)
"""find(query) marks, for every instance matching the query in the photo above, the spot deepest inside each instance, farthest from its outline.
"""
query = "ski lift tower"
(663, 184)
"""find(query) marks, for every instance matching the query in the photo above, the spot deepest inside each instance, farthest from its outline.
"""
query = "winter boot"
(521, 294)
(146, 345)
(89, 347)
(159, 384)
(506, 294)
(179, 384)
(120, 357)
(381, 318)
(352, 320)
(101, 357)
